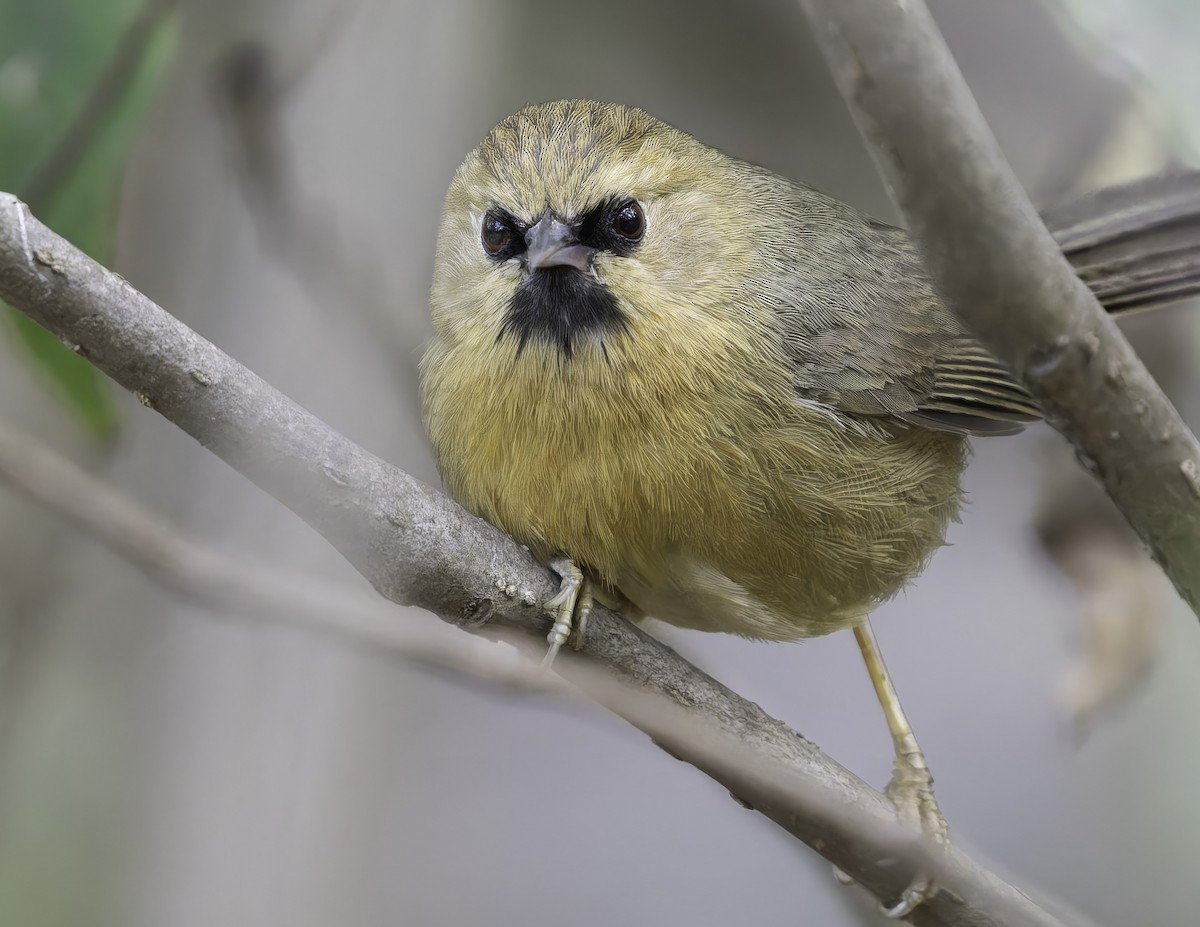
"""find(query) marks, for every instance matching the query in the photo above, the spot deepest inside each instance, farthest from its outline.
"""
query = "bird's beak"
(551, 243)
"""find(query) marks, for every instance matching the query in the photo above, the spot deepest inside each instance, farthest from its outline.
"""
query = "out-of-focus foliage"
(51, 53)
(1146, 33)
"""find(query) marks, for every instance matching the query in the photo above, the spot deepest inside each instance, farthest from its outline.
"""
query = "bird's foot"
(911, 788)
(570, 608)
(911, 791)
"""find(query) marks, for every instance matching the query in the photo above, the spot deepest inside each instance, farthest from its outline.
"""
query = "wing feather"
(865, 332)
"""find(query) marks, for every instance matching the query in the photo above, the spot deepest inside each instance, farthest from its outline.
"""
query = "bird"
(699, 390)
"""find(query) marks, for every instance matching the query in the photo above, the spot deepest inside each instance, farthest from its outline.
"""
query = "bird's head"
(574, 224)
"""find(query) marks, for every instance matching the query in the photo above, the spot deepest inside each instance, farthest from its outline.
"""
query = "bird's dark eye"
(497, 235)
(629, 221)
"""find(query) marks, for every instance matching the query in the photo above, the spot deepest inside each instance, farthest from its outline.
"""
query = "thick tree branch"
(419, 548)
(997, 266)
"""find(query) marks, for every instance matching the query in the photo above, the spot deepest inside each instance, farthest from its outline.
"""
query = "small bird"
(698, 389)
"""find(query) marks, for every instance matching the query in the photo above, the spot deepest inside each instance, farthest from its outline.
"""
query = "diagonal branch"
(336, 610)
(995, 263)
(419, 548)
(370, 623)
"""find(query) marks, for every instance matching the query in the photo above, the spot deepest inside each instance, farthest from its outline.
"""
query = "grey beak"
(551, 243)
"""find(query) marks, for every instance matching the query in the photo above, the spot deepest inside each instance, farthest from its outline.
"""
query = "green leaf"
(51, 54)
(68, 375)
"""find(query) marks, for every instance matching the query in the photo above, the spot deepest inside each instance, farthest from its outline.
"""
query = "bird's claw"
(843, 877)
(911, 791)
(570, 608)
(919, 891)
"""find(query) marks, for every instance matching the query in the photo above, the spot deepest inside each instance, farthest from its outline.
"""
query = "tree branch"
(419, 548)
(997, 266)
(223, 583)
(372, 624)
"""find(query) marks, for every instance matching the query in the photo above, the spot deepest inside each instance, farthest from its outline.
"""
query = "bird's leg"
(570, 607)
(911, 787)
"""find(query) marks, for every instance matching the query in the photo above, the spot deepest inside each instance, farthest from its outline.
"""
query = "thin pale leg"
(570, 607)
(911, 787)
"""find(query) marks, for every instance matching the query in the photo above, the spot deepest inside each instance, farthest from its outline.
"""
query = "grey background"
(158, 767)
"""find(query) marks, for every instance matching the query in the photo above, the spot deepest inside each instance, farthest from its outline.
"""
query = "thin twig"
(995, 263)
(419, 548)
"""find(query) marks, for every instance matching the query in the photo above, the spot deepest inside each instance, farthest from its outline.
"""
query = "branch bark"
(994, 262)
(419, 548)
(351, 615)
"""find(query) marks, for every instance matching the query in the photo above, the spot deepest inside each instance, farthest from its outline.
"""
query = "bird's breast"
(677, 458)
(616, 448)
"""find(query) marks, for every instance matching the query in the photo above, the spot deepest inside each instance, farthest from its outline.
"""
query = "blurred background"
(271, 172)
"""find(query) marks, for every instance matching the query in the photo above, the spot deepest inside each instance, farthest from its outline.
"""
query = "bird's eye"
(497, 236)
(629, 221)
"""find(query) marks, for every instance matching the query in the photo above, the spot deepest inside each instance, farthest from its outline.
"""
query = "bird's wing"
(866, 334)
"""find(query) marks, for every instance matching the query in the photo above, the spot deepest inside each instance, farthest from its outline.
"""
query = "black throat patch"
(562, 306)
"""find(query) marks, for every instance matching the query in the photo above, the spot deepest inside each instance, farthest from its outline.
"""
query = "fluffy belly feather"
(705, 502)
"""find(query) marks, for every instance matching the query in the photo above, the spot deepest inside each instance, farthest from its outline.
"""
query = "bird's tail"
(1137, 246)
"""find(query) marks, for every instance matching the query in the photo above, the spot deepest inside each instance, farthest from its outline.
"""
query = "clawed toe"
(570, 608)
(911, 791)
(911, 787)
(920, 891)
